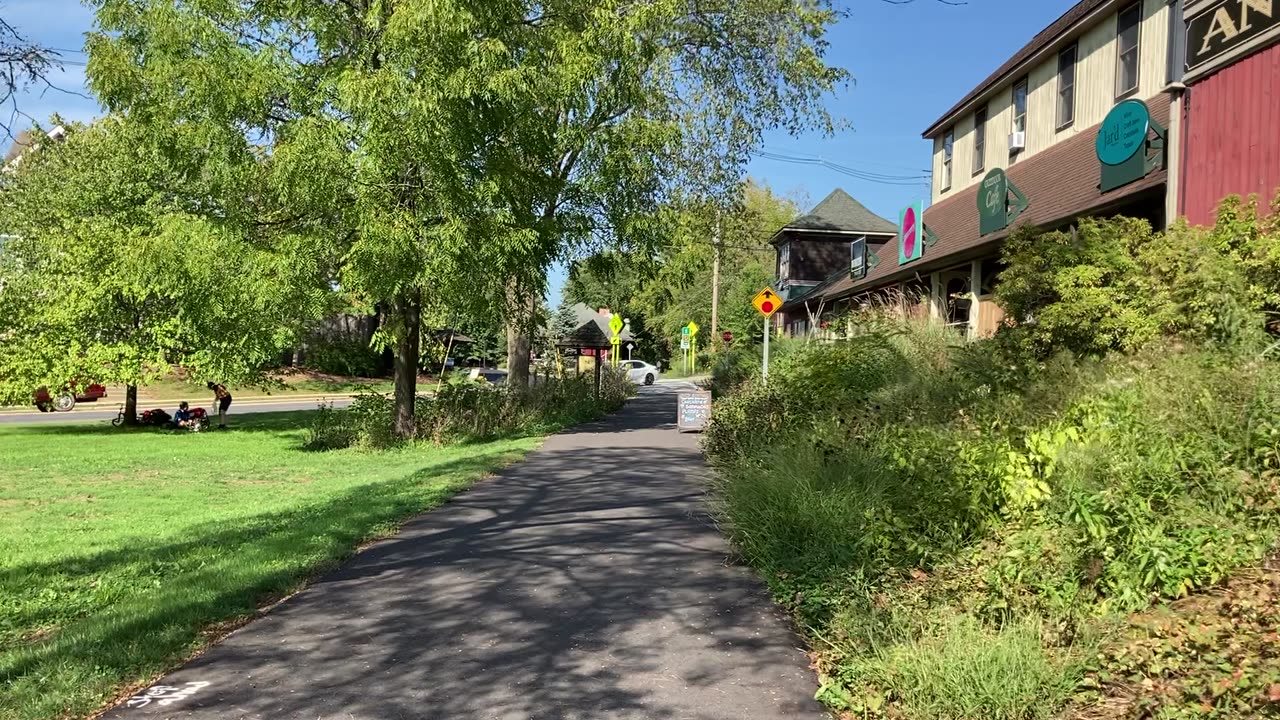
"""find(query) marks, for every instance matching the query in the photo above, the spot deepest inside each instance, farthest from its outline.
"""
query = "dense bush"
(1114, 284)
(343, 357)
(957, 524)
(464, 411)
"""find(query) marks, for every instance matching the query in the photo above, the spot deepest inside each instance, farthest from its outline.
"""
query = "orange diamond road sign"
(767, 302)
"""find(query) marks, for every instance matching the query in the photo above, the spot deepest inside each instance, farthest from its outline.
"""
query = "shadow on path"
(584, 582)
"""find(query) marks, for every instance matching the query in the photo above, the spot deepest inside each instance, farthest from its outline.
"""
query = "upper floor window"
(1020, 106)
(784, 261)
(1067, 87)
(979, 140)
(948, 147)
(1128, 26)
(858, 258)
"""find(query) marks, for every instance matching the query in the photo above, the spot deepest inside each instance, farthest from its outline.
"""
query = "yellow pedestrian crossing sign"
(693, 327)
(767, 302)
(615, 324)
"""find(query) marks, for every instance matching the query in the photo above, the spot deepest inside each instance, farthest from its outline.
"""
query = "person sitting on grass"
(182, 418)
(223, 397)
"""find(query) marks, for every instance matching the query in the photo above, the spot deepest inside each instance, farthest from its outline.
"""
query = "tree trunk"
(131, 405)
(519, 343)
(409, 319)
(518, 347)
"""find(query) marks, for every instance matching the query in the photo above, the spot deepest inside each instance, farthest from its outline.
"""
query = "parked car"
(67, 398)
(639, 371)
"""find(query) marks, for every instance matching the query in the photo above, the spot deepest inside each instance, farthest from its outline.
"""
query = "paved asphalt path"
(107, 410)
(585, 582)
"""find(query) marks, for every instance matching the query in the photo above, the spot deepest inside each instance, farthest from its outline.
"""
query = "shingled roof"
(841, 213)
(592, 330)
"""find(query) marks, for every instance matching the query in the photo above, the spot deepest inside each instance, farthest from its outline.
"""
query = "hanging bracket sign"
(1000, 202)
(1126, 147)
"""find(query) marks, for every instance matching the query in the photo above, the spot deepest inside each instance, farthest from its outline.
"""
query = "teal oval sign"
(1123, 132)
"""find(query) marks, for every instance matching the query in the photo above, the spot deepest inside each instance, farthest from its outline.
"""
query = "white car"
(639, 371)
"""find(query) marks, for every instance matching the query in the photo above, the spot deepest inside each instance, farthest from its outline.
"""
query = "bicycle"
(119, 419)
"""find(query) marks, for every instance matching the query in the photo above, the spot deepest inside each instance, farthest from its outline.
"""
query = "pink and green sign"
(911, 233)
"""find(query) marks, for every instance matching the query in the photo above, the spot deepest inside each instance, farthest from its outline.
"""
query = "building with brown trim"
(1078, 122)
(817, 249)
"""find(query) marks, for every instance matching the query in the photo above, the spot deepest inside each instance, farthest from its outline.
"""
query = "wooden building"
(814, 255)
(1078, 122)
(1231, 104)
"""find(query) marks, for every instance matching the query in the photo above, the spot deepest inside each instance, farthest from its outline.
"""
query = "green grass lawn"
(120, 552)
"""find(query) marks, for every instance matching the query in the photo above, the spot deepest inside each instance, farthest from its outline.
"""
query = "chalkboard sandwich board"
(693, 410)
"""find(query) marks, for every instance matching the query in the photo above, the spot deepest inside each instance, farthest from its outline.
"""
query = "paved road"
(107, 409)
(583, 583)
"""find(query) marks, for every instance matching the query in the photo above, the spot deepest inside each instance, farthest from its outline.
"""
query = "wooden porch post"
(975, 291)
(935, 296)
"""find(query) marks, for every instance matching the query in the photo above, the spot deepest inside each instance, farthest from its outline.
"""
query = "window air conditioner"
(1017, 141)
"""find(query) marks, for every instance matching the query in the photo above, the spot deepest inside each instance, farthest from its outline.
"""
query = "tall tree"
(388, 123)
(644, 101)
(111, 277)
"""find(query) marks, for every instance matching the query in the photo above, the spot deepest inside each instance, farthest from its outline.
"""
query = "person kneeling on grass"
(223, 399)
(182, 418)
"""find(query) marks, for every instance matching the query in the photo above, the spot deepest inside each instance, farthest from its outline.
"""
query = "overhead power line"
(867, 176)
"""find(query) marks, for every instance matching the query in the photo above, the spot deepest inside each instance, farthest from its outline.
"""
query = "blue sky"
(910, 63)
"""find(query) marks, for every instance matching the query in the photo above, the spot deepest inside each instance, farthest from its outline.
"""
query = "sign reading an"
(1228, 24)
(767, 302)
(1123, 132)
(996, 209)
(684, 342)
(911, 233)
(693, 410)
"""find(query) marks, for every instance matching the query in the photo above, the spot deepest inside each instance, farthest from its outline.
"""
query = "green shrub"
(890, 481)
(1082, 291)
(343, 357)
(365, 423)
(733, 367)
(463, 410)
(961, 670)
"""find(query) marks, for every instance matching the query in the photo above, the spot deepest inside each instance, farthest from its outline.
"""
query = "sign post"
(767, 303)
(615, 327)
(693, 346)
(685, 337)
(764, 373)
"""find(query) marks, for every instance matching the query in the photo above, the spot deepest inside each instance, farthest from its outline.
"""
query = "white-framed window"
(1128, 34)
(1020, 106)
(979, 140)
(858, 258)
(948, 150)
(1067, 86)
(784, 261)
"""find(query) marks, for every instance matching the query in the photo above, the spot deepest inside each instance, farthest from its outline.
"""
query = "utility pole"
(715, 282)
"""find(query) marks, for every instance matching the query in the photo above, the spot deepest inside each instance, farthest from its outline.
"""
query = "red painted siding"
(1233, 136)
